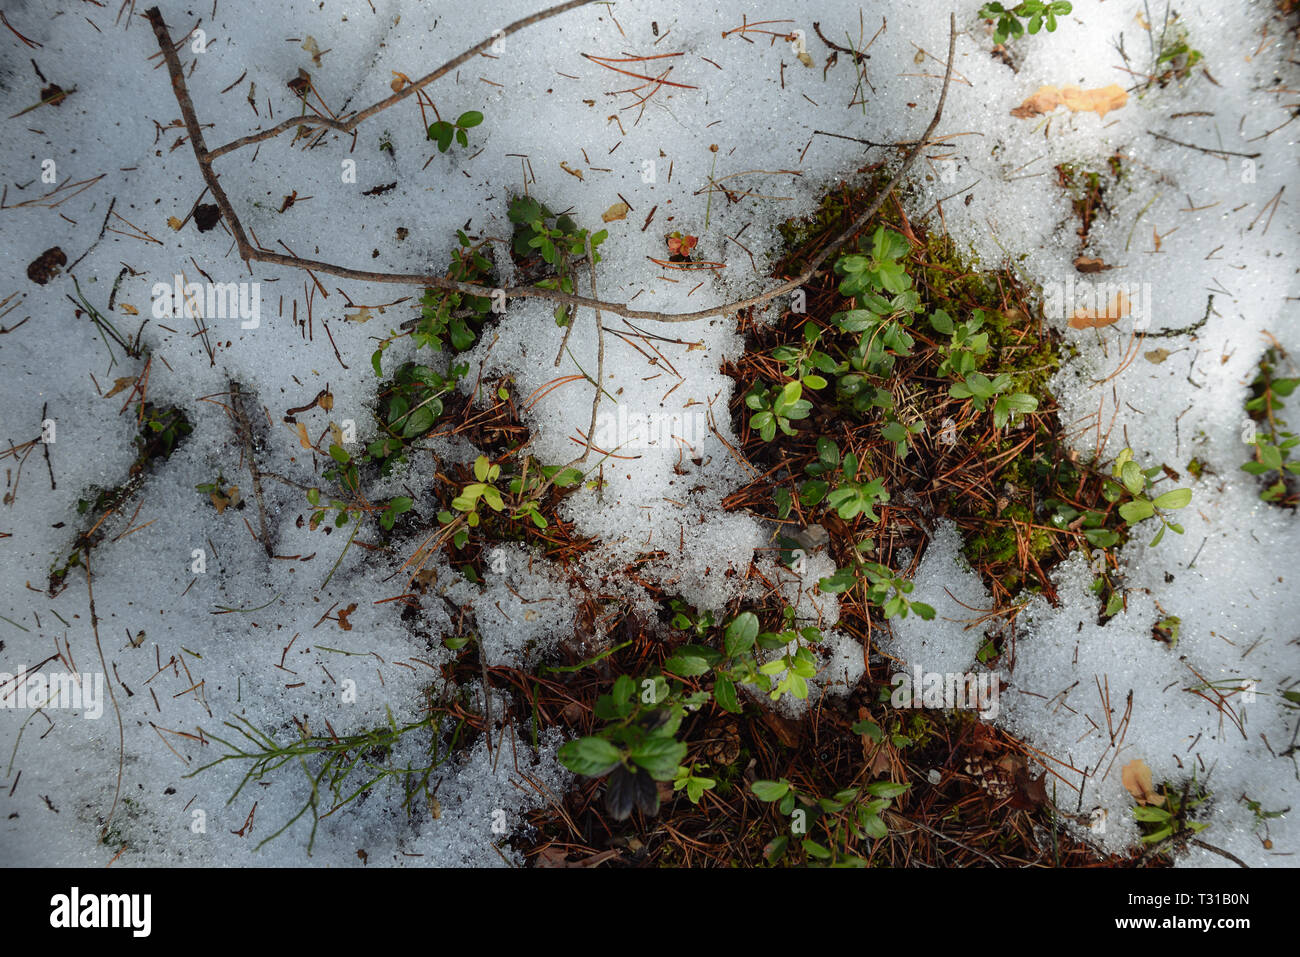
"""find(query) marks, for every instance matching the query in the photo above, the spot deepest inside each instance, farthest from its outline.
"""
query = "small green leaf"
(741, 634)
(1175, 498)
(770, 790)
(886, 789)
(1136, 510)
(589, 756)
(659, 757)
(724, 692)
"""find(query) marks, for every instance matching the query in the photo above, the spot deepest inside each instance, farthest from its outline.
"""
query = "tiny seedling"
(882, 588)
(442, 132)
(693, 784)
(1134, 484)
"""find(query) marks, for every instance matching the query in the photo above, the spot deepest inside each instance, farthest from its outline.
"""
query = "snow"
(759, 105)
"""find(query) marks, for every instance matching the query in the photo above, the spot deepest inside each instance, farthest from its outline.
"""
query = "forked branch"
(248, 252)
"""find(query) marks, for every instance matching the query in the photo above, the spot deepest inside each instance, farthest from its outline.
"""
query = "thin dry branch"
(248, 252)
(355, 119)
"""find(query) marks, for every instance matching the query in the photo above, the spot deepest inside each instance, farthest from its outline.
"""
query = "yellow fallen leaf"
(570, 170)
(1156, 356)
(310, 46)
(400, 81)
(1137, 781)
(327, 401)
(129, 309)
(302, 436)
(617, 211)
(1116, 309)
(174, 223)
(1047, 98)
(361, 315)
(119, 385)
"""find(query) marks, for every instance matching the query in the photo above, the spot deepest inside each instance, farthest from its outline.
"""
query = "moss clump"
(162, 430)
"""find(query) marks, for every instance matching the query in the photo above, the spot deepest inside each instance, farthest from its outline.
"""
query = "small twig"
(246, 437)
(1201, 149)
(249, 252)
(600, 357)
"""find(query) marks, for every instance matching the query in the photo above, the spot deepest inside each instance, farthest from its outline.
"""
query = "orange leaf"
(1137, 781)
(1116, 310)
(1047, 98)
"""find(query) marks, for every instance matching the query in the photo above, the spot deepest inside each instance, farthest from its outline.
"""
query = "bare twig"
(249, 252)
(600, 357)
(355, 119)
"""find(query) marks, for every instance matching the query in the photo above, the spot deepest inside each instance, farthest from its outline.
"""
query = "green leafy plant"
(1172, 818)
(1036, 12)
(775, 408)
(685, 618)
(979, 389)
(396, 506)
(850, 815)
(1133, 485)
(693, 784)
(1089, 521)
(481, 490)
(851, 498)
(442, 132)
(739, 664)
(559, 241)
(409, 407)
(806, 363)
(160, 430)
(881, 586)
(524, 490)
(1273, 442)
(637, 746)
(885, 305)
(1262, 817)
(968, 345)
